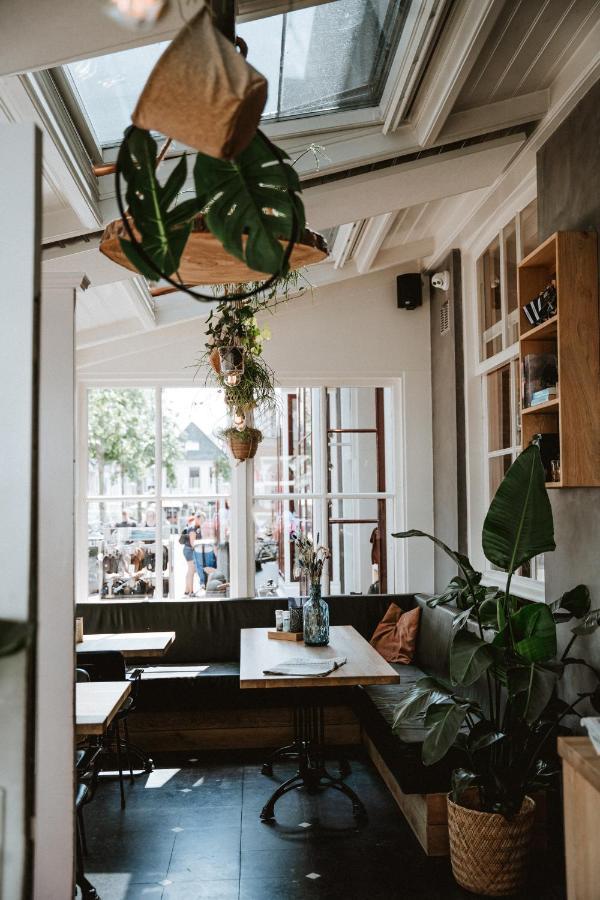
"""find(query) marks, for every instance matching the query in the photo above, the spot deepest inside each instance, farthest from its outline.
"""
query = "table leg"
(309, 748)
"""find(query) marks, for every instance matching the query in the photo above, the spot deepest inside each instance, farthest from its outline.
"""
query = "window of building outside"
(155, 469)
(499, 349)
(321, 470)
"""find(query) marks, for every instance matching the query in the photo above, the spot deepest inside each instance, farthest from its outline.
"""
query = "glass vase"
(316, 619)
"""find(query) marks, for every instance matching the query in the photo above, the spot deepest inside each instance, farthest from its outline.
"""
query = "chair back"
(105, 665)
(82, 675)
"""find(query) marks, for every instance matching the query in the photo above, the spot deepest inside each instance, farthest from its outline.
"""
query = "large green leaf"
(530, 689)
(534, 632)
(163, 231)
(459, 559)
(519, 524)
(443, 722)
(256, 196)
(425, 692)
(469, 658)
(575, 603)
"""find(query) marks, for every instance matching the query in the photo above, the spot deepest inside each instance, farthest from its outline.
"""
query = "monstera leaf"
(250, 203)
(469, 658)
(163, 230)
(443, 722)
(519, 522)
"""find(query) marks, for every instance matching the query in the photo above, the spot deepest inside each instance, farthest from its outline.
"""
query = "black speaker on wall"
(409, 289)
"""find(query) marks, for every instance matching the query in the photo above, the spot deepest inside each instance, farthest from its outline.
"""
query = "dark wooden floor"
(191, 831)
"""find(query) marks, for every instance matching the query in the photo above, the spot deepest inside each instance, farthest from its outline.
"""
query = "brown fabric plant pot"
(203, 93)
(243, 448)
(205, 261)
(490, 853)
(215, 360)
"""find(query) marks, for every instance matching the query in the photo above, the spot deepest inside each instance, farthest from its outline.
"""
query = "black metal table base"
(308, 747)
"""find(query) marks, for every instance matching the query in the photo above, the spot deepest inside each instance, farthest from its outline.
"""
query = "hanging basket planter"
(490, 853)
(205, 261)
(215, 360)
(243, 444)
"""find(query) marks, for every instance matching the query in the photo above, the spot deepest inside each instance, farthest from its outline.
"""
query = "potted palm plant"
(511, 648)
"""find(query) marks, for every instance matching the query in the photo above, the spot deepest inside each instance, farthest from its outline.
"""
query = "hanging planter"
(204, 260)
(202, 92)
(243, 444)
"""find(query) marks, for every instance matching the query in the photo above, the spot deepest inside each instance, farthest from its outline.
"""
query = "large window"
(321, 469)
(499, 349)
(155, 469)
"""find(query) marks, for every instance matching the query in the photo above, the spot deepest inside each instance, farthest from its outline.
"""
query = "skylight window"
(318, 59)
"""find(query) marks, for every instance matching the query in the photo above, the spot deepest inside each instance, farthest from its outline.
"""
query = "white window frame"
(241, 541)
(320, 496)
(476, 386)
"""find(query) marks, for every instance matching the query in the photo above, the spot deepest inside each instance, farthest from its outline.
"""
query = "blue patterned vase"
(316, 619)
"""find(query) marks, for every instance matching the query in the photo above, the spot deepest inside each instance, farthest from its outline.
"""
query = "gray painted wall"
(568, 171)
(447, 382)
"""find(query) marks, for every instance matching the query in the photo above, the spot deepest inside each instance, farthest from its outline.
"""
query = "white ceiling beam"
(372, 238)
(143, 303)
(65, 163)
(495, 116)
(424, 179)
(460, 44)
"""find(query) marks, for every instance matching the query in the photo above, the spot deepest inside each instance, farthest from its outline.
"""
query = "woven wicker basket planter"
(490, 853)
(242, 447)
(215, 360)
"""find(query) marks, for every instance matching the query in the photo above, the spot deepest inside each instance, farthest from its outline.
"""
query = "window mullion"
(158, 434)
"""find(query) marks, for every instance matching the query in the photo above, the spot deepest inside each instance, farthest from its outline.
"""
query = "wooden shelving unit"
(573, 335)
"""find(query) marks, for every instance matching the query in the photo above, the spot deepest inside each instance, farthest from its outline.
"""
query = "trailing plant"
(256, 388)
(507, 646)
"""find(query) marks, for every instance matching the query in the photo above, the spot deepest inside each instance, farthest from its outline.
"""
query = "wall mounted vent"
(445, 318)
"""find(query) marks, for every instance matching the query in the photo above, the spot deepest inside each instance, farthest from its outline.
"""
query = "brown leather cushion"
(395, 638)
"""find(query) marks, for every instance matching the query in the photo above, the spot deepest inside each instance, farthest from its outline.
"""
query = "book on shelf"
(544, 394)
(540, 372)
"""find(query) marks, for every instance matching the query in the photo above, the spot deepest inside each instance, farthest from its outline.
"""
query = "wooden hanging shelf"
(204, 261)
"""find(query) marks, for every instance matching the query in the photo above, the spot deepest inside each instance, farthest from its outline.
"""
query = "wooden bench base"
(231, 729)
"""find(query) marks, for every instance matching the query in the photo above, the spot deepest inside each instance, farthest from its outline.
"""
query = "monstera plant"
(500, 708)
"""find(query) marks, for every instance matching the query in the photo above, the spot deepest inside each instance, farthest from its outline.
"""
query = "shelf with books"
(562, 353)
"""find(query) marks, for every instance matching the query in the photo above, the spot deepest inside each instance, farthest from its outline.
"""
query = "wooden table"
(363, 666)
(131, 645)
(581, 788)
(96, 704)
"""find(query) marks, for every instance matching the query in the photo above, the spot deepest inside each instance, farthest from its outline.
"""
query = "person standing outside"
(187, 539)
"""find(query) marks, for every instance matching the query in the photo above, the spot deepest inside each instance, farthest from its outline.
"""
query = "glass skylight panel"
(318, 59)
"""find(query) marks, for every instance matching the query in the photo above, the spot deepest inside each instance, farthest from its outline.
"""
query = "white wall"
(344, 333)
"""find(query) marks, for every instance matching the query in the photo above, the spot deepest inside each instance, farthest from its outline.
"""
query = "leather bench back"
(210, 629)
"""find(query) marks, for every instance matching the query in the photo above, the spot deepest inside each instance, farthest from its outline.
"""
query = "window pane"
(194, 459)
(488, 269)
(122, 549)
(498, 467)
(357, 530)
(510, 256)
(351, 407)
(529, 228)
(352, 463)
(121, 430)
(274, 552)
(499, 415)
(201, 565)
(284, 460)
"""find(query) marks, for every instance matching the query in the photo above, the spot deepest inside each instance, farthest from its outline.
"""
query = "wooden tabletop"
(364, 664)
(132, 644)
(96, 704)
(579, 752)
